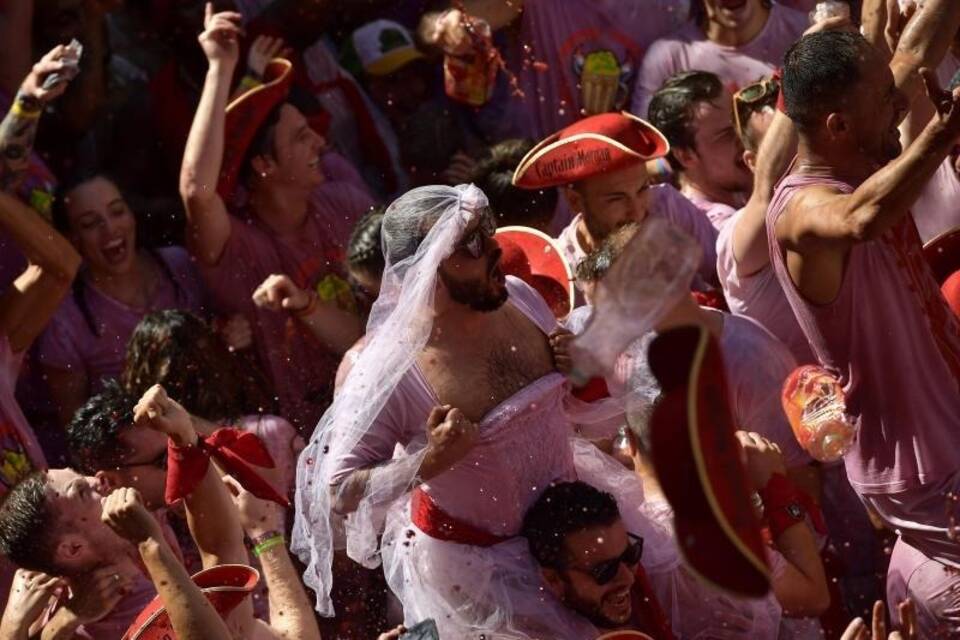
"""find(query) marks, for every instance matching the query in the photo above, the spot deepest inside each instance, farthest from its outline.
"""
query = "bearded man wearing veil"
(450, 424)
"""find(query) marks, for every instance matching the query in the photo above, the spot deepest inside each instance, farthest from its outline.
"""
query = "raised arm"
(291, 612)
(208, 223)
(446, 29)
(750, 231)
(19, 127)
(26, 307)
(191, 614)
(336, 328)
(819, 219)
(213, 519)
(801, 586)
(924, 43)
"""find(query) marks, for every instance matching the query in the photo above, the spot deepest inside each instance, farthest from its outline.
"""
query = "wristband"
(310, 308)
(234, 450)
(784, 506)
(25, 112)
(268, 544)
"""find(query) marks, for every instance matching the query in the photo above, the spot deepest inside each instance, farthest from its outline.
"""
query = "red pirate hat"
(597, 144)
(943, 254)
(530, 255)
(245, 115)
(225, 586)
(698, 463)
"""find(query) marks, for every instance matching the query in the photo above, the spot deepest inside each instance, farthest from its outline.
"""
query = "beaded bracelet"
(271, 542)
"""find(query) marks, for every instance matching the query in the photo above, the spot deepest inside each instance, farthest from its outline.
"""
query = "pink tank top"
(893, 341)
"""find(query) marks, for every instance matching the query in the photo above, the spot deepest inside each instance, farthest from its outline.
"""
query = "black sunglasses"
(604, 572)
(160, 462)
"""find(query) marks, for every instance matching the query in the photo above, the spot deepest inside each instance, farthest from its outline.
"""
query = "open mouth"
(620, 602)
(115, 251)
(732, 5)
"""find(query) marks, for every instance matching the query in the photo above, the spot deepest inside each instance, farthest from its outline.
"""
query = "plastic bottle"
(814, 403)
(829, 9)
(470, 77)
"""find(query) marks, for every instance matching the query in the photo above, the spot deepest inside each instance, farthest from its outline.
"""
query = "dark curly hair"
(93, 433)
(180, 351)
(27, 524)
(365, 248)
(565, 508)
(513, 205)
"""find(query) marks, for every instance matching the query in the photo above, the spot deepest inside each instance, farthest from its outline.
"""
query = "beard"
(477, 295)
(592, 611)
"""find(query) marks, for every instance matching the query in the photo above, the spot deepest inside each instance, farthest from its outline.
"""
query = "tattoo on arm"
(17, 134)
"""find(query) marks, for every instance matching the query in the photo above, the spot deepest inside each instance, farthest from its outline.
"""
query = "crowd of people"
(420, 319)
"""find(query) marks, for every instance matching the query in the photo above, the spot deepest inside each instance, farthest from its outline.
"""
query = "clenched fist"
(450, 437)
(123, 511)
(279, 293)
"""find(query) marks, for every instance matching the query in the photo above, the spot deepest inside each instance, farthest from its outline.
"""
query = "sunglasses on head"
(473, 241)
(752, 97)
(603, 572)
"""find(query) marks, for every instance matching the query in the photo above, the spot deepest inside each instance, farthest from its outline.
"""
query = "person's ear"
(750, 159)
(688, 158)
(263, 165)
(574, 198)
(107, 481)
(70, 548)
(837, 125)
(554, 582)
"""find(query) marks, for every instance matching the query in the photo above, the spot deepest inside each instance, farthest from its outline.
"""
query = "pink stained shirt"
(20, 453)
(895, 344)
(759, 296)
(577, 53)
(522, 446)
(688, 49)
(937, 210)
(756, 364)
(70, 345)
(665, 202)
(301, 369)
(717, 213)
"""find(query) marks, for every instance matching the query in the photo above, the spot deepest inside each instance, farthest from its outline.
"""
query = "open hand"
(262, 51)
(857, 630)
(763, 458)
(97, 593)
(257, 517)
(30, 593)
(945, 102)
(159, 412)
(279, 293)
(221, 35)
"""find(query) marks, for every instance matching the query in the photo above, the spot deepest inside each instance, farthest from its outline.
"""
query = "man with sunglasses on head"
(693, 110)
